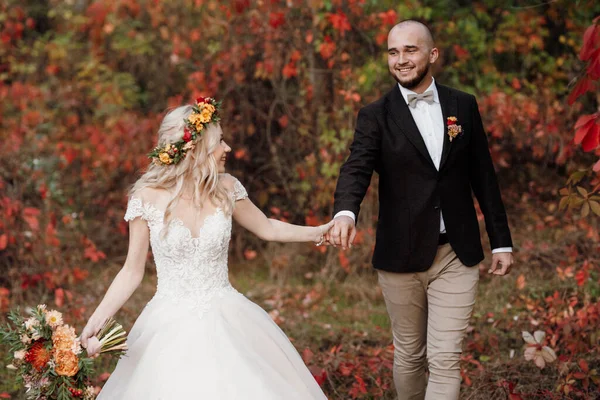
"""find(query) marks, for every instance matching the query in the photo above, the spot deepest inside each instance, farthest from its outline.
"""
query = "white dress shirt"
(430, 121)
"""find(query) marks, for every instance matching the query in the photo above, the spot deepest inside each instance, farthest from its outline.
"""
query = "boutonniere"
(453, 129)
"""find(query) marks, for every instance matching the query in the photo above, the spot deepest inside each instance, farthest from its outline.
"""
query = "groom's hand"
(501, 263)
(342, 233)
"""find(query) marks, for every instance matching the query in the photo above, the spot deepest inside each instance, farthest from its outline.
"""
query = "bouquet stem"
(112, 337)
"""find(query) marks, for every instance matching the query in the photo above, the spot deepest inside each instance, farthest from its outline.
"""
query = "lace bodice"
(190, 270)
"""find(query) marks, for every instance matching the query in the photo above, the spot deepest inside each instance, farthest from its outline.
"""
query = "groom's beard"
(414, 82)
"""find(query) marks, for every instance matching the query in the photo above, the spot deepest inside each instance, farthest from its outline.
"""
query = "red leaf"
(593, 69)
(381, 38)
(307, 355)
(283, 121)
(591, 40)
(361, 384)
(4, 395)
(250, 254)
(289, 70)
(389, 17)
(309, 37)
(581, 276)
(583, 126)
(97, 12)
(346, 369)
(276, 19)
(319, 374)
(521, 282)
(92, 253)
(52, 69)
(3, 241)
(592, 139)
(339, 22)
(462, 53)
(30, 215)
(80, 274)
(327, 48)
(597, 166)
(275, 211)
(241, 5)
(69, 155)
(239, 154)
(311, 219)
(59, 297)
(581, 88)
(344, 262)
(583, 365)
(516, 84)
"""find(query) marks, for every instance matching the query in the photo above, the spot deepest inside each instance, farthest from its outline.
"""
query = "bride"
(198, 338)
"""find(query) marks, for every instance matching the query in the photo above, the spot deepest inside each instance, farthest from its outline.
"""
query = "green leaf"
(582, 191)
(564, 202)
(595, 206)
(576, 177)
(585, 210)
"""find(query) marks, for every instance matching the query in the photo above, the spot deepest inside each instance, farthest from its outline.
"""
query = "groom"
(427, 143)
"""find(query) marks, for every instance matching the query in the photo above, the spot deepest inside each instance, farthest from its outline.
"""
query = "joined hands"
(341, 231)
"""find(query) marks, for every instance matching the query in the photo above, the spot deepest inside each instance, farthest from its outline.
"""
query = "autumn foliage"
(84, 84)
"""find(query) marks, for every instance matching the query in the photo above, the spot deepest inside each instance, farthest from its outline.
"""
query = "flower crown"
(204, 112)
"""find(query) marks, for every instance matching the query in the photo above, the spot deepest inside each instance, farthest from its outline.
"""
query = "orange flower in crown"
(204, 112)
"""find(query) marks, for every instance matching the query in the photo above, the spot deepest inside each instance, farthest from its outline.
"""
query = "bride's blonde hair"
(198, 171)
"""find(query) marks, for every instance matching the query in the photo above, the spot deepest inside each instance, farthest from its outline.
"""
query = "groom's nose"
(401, 58)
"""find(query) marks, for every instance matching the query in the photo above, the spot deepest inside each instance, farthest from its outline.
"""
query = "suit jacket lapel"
(449, 109)
(401, 115)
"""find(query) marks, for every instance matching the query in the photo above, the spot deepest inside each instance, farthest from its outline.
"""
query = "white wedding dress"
(198, 338)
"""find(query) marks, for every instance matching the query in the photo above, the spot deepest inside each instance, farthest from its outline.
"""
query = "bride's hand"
(89, 341)
(323, 229)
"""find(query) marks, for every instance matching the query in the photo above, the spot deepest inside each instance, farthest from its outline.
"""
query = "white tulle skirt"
(232, 351)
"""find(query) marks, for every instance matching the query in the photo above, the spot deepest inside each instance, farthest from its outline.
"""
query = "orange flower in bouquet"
(47, 354)
(67, 362)
(38, 355)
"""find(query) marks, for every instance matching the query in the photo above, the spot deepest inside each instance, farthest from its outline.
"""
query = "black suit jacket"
(412, 192)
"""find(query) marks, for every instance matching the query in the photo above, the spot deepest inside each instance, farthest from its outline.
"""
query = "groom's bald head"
(412, 27)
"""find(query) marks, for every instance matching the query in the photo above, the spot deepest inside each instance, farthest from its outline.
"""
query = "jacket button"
(436, 208)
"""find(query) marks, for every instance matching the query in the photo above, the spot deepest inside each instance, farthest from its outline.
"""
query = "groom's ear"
(434, 55)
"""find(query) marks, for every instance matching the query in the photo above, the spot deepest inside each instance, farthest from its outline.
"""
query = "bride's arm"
(125, 283)
(253, 219)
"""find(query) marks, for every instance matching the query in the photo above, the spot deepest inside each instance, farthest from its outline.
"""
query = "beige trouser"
(430, 312)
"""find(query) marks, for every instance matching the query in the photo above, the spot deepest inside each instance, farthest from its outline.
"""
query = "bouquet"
(47, 354)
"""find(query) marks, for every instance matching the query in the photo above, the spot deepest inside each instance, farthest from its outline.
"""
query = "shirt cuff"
(502, 250)
(347, 214)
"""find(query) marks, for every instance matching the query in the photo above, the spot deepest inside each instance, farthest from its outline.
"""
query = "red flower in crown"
(201, 100)
(187, 135)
